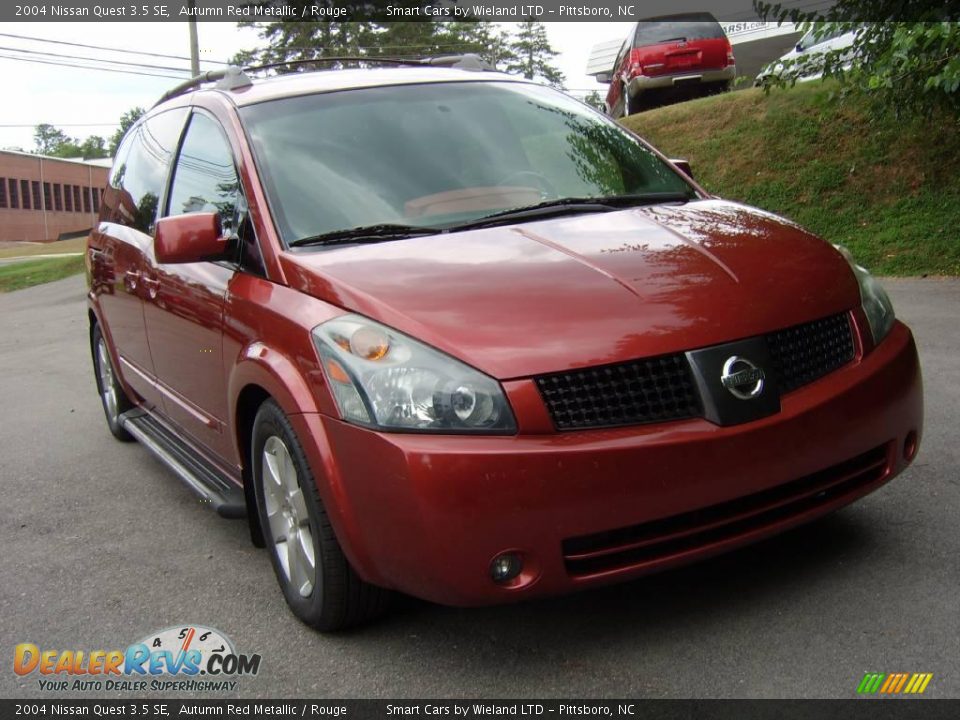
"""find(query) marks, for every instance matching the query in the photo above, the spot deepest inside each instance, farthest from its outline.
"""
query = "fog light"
(910, 446)
(505, 567)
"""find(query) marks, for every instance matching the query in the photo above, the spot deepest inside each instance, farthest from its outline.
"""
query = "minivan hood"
(585, 290)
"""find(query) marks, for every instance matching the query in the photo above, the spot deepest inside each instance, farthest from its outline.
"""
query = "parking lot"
(103, 545)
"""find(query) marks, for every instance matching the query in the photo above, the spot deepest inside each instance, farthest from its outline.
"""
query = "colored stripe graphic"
(894, 683)
(889, 682)
(870, 683)
(927, 677)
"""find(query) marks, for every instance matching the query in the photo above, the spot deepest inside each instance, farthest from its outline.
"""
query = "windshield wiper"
(565, 206)
(550, 208)
(366, 234)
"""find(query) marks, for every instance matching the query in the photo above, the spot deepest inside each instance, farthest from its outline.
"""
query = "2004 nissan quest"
(448, 332)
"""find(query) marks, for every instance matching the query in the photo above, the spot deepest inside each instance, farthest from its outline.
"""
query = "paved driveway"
(101, 544)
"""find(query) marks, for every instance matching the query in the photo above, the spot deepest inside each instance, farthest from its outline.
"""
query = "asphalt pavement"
(101, 545)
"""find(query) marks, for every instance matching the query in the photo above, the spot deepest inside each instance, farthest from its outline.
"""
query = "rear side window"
(141, 169)
(695, 26)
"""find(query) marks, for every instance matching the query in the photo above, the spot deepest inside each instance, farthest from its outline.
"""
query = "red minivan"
(671, 55)
(458, 335)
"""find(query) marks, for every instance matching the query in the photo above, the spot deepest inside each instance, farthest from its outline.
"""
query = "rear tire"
(114, 400)
(630, 107)
(317, 581)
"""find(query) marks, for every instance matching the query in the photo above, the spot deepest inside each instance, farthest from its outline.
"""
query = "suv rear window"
(693, 26)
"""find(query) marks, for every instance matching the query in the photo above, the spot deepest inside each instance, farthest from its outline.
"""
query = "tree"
(49, 140)
(485, 39)
(911, 67)
(595, 100)
(532, 54)
(295, 40)
(126, 122)
(403, 39)
(93, 147)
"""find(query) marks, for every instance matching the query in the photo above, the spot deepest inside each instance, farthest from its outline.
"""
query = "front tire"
(114, 400)
(317, 581)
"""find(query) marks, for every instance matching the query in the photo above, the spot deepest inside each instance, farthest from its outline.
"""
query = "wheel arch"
(261, 373)
(248, 403)
(93, 318)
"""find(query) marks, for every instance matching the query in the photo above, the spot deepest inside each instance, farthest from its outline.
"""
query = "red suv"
(456, 334)
(683, 55)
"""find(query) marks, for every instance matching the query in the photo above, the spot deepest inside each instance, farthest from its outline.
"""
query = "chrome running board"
(224, 495)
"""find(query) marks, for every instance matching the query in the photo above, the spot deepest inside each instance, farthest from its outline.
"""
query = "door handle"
(152, 284)
(131, 279)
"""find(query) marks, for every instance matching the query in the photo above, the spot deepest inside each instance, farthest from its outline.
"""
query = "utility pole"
(194, 44)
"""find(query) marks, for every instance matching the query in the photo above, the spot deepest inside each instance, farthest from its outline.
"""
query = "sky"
(85, 102)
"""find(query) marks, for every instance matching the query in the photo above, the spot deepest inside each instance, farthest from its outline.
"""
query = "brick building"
(44, 198)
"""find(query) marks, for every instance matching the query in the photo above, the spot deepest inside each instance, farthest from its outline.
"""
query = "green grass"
(51, 248)
(17, 276)
(886, 188)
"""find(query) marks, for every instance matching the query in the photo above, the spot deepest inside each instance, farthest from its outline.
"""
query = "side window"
(141, 173)
(205, 180)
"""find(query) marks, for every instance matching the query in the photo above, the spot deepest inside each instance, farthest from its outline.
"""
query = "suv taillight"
(730, 59)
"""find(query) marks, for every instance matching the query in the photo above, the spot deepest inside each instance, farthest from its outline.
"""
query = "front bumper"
(642, 83)
(426, 514)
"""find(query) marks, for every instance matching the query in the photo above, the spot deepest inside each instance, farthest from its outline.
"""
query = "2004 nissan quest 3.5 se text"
(444, 331)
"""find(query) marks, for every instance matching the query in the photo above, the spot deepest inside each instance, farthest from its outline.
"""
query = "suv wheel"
(114, 399)
(317, 580)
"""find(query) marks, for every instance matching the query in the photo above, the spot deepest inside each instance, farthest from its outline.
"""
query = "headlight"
(384, 379)
(874, 299)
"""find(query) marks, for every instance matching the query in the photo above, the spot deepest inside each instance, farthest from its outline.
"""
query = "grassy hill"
(888, 189)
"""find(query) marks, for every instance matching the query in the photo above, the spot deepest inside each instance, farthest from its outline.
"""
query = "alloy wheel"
(108, 388)
(287, 515)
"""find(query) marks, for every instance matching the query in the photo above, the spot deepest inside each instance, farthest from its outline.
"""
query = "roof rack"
(235, 78)
(467, 61)
(229, 78)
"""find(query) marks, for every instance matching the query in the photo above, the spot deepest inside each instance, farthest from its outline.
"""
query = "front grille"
(804, 353)
(641, 391)
(657, 540)
(662, 388)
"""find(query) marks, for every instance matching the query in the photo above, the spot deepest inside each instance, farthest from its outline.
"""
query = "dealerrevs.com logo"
(186, 657)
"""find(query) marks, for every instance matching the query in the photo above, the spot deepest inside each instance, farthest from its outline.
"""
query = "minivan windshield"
(440, 155)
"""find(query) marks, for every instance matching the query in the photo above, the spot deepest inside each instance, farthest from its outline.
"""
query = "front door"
(185, 302)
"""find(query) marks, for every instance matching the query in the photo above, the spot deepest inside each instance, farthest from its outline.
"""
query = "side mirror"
(194, 237)
(603, 78)
(684, 167)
